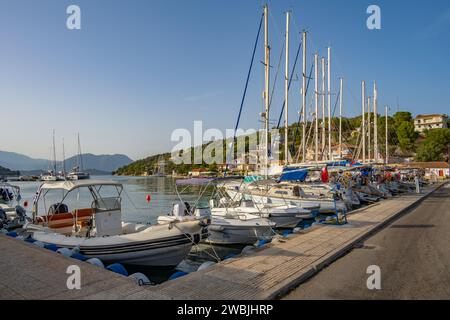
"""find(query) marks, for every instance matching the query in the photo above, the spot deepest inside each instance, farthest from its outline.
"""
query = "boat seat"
(65, 220)
(58, 208)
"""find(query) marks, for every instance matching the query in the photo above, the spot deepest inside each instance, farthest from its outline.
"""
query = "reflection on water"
(135, 208)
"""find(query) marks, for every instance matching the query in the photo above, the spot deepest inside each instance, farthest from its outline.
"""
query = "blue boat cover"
(294, 174)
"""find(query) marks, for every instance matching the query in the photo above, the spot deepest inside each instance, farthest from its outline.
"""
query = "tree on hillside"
(401, 117)
(435, 146)
(406, 136)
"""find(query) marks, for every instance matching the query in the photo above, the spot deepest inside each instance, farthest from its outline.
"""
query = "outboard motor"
(21, 214)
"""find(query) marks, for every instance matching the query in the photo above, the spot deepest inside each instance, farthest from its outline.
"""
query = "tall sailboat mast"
(64, 159)
(323, 110)
(286, 93)
(330, 157)
(54, 153)
(363, 121)
(341, 87)
(369, 125)
(316, 104)
(80, 155)
(375, 121)
(304, 99)
(387, 140)
(267, 87)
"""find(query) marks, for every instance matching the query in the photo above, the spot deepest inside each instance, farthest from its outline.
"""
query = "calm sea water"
(135, 208)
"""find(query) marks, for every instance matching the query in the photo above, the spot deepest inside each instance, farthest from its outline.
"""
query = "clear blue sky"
(139, 69)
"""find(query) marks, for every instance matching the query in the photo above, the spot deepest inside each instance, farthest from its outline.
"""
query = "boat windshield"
(92, 198)
(9, 193)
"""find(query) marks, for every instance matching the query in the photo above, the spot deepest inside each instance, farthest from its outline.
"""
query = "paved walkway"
(412, 254)
(29, 272)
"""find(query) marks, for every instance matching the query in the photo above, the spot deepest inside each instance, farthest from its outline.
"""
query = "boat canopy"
(11, 186)
(294, 175)
(71, 185)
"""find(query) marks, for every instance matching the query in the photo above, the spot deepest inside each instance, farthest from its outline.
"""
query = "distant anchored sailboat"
(76, 173)
(51, 174)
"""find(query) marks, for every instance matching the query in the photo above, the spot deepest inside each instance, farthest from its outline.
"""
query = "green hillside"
(7, 172)
(403, 141)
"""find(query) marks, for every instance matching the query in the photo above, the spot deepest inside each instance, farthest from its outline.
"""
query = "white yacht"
(76, 173)
(94, 226)
(289, 193)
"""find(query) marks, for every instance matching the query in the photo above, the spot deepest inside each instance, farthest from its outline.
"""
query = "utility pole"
(341, 87)
(323, 110)
(375, 121)
(304, 98)
(286, 94)
(363, 122)
(267, 87)
(316, 104)
(330, 157)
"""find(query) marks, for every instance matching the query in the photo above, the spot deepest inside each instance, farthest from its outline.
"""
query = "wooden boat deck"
(29, 272)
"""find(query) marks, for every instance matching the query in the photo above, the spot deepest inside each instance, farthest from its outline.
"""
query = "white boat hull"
(161, 246)
(228, 231)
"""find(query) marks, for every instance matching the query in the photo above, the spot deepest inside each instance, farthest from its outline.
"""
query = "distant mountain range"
(91, 162)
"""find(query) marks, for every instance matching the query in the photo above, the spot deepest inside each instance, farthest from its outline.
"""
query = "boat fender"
(118, 268)
(65, 252)
(12, 234)
(261, 243)
(51, 247)
(140, 279)
(297, 230)
(178, 274)
(30, 240)
(39, 244)
(96, 262)
(78, 256)
(76, 250)
(231, 255)
(206, 265)
(287, 233)
(248, 250)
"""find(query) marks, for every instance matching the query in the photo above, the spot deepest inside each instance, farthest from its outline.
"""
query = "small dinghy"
(98, 231)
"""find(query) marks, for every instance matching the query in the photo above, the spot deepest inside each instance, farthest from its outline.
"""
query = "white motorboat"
(300, 195)
(239, 229)
(95, 227)
(228, 226)
(49, 176)
(76, 174)
(284, 216)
